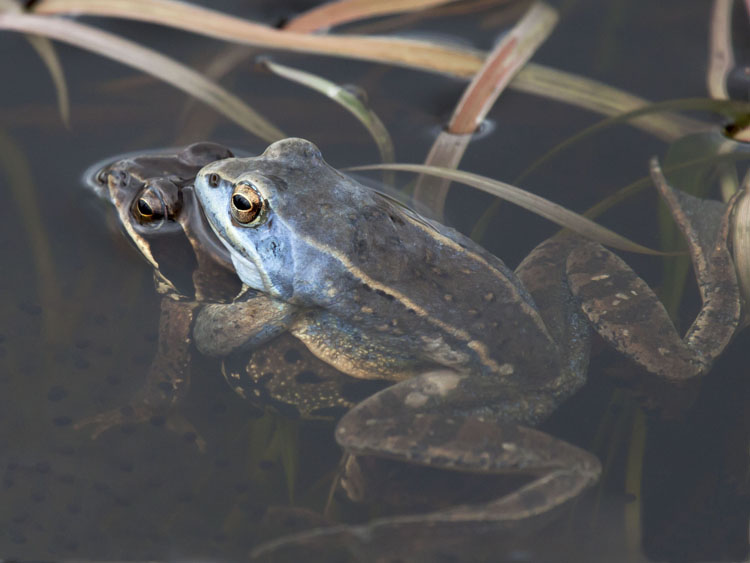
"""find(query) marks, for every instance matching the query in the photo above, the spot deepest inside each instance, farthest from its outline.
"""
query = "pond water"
(79, 317)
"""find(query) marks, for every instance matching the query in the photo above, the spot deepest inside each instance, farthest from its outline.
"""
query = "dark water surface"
(79, 315)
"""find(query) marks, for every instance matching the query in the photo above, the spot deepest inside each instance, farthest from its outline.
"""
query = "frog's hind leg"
(415, 422)
(626, 312)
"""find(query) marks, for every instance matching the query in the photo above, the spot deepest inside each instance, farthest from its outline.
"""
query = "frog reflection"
(477, 353)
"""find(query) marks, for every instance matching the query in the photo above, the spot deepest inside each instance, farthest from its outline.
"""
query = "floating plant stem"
(501, 65)
(508, 57)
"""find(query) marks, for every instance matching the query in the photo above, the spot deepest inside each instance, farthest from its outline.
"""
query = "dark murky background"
(79, 315)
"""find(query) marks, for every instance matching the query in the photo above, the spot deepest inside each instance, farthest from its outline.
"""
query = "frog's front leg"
(248, 322)
(627, 313)
(421, 421)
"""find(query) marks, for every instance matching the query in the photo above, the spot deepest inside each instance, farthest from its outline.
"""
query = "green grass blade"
(47, 53)
(532, 202)
(345, 98)
(671, 169)
(725, 107)
(600, 98)
(146, 60)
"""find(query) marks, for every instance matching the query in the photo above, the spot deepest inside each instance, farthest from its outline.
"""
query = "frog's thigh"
(624, 310)
(468, 443)
(353, 351)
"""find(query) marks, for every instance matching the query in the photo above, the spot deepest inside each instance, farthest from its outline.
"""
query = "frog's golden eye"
(246, 204)
(148, 207)
(214, 180)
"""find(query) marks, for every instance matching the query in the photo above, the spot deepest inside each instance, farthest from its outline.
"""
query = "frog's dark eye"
(246, 204)
(214, 180)
(144, 208)
(148, 207)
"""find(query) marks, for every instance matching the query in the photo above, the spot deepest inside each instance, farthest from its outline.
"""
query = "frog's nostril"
(122, 178)
(213, 180)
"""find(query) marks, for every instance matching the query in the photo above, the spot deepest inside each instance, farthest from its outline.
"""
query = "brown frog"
(156, 206)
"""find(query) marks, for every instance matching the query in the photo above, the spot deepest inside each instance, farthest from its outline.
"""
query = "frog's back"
(396, 274)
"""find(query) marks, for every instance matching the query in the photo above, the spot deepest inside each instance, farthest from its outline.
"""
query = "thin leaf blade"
(345, 98)
(532, 202)
(423, 55)
(146, 60)
(343, 11)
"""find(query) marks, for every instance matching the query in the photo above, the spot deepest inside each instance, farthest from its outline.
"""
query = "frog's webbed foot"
(139, 414)
(628, 314)
(401, 423)
(101, 422)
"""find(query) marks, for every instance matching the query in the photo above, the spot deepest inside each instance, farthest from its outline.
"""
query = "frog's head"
(276, 212)
(155, 203)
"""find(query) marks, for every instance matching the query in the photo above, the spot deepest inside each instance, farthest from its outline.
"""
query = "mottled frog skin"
(476, 353)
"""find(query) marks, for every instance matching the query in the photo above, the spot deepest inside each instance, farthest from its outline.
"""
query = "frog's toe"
(128, 415)
(104, 421)
(381, 432)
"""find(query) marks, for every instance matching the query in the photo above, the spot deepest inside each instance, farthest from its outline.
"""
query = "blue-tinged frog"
(476, 354)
